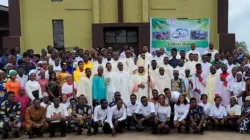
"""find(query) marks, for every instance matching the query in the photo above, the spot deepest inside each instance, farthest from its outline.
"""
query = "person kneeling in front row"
(101, 116)
(117, 117)
(144, 114)
(196, 117)
(56, 116)
(162, 116)
(35, 119)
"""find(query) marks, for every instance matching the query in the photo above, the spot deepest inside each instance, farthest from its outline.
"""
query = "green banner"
(179, 33)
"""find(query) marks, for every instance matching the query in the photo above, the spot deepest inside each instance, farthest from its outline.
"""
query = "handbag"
(35, 93)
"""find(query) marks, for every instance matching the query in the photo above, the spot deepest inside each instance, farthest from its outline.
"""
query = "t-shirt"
(235, 110)
(56, 113)
(162, 112)
(206, 107)
(218, 113)
(145, 110)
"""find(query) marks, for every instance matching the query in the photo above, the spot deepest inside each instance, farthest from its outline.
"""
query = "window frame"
(59, 33)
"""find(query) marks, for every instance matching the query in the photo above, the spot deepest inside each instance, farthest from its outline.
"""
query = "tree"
(243, 45)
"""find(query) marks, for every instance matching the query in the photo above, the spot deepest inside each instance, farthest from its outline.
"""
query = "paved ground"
(209, 135)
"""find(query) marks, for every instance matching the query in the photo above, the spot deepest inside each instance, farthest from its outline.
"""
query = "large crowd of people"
(118, 91)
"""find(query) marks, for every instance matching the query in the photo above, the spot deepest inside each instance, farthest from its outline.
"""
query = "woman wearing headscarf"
(233, 113)
(244, 119)
(69, 87)
(32, 87)
(13, 84)
(237, 88)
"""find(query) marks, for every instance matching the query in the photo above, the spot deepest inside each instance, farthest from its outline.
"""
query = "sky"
(239, 18)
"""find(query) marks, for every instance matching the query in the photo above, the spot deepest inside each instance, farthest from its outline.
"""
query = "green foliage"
(243, 45)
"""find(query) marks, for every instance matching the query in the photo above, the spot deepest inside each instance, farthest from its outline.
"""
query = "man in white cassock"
(193, 51)
(108, 76)
(114, 62)
(97, 64)
(153, 70)
(141, 82)
(168, 68)
(161, 81)
(199, 82)
(121, 81)
(148, 56)
(159, 57)
(128, 63)
(85, 86)
(205, 65)
(181, 68)
(191, 64)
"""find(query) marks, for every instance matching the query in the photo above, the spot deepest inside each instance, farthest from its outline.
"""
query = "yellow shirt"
(88, 65)
(78, 75)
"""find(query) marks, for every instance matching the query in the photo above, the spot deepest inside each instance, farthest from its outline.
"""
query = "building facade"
(102, 23)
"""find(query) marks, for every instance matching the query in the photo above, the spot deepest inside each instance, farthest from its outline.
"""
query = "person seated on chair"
(117, 118)
(36, 119)
(10, 116)
(101, 116)
(217, 114)
(144, 114)
(83, 115)
(56, 116)
(196, 117)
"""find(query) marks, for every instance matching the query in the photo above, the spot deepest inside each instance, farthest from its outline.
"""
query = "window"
(120, 35)
(58, 33)
(56, 0)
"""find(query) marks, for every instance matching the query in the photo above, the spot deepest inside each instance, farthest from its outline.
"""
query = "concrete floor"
(209, 135)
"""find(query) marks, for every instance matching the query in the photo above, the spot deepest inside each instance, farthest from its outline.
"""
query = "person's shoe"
(5, 136)
(16, 134)
(31, 137)
(63, 134)
(95, 132)
(89, 133)
(52, 135)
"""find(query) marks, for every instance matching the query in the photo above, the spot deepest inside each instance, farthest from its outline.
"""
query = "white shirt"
(206, 107)
(116, 114)
(212, 52)
(180, 112)
(145, 110)
(206, 67)
(57, 68)
(100, 114)
(235, 110)
(122, 55)
(78, 59)
(159, 60)
(33, 86)
(22, 80)
(53, 112)
(66, 88)
(131, 108)
(218, 113)
(45, 105)
(162, 112)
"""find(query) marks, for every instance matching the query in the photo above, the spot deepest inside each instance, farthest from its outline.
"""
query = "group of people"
(115, 90)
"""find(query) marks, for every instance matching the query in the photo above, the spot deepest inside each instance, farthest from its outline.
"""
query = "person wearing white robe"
(159, 57)
(148, 56)
(142, 61)
(193, 51)
(140, 83)
(153, 69)
(121, 81)
(162, 81)
(238, 87)
(128, 63)
(199, 82)
(108, 76)
(97, 64)
(222, 86)
(168, 68)
(85, 86)
(33, 86)
(211, 50)
(191, 64)
(114, 62)
(204, 64)
(181, 68)
(68, 88)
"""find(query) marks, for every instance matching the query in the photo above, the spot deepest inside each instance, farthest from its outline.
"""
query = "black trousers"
(146, 123)
(61, 125)
(130, 120)
(121, 125)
